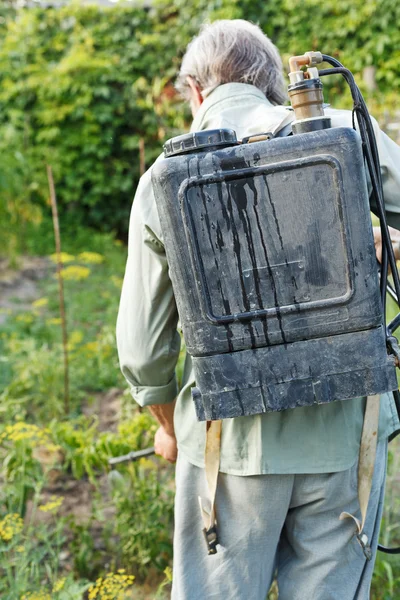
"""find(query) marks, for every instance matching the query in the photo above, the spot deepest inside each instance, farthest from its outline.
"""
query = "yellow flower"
(111, 587)
(40, 303)
(21, 431)
(41, 595)
(146, 463)
(64, 257)
(53, 505)
(75, 273)
(24, 319)
(106, 350)
(53, 321)
(90, 258)
(91, 349)
(11, 525)
(59, 584)
(168, 573)
(75, 338)
(20, 549)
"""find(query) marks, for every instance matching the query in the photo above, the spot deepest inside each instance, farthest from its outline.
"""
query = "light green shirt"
(315, 439)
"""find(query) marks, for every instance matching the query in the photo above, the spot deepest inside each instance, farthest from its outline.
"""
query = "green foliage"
(386, 581)
(81, 85)
(86, 451)
(31, 347)
(29, 548)
(30, 562)
(76, 87)
(144, 501)
(39, 443)
(37, 371)
(139, 535)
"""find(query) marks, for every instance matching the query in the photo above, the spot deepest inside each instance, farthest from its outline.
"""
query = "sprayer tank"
(273, 266)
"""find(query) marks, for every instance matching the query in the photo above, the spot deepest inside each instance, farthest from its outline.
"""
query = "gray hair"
(232, 51)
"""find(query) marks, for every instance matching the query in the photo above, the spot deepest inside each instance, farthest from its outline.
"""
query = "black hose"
(384, 280)
(373, 164)
(371, 157)
(387, 550)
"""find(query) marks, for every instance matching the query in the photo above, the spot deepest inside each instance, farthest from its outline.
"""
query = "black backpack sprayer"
(272, 260)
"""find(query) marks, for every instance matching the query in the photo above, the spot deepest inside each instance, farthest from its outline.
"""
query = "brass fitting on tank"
(305, 92)
(310, 59)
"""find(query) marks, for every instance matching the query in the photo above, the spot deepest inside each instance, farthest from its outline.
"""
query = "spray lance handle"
(132, 456)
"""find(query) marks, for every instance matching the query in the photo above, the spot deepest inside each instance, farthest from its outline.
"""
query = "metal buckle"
(257, 137)
(211, 537)
(363, 541)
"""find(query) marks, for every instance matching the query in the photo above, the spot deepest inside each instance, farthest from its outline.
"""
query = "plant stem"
(57, 237)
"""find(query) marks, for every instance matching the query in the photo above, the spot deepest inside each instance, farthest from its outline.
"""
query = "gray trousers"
(287, 525)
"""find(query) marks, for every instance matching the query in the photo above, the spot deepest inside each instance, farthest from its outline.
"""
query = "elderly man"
(284, 477)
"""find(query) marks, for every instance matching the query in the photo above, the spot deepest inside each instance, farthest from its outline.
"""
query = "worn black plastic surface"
(199, 141)
(270, 246)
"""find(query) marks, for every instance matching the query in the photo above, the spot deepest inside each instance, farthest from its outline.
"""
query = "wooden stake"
(57, 237)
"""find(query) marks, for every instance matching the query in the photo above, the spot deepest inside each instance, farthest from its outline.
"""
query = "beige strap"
(366, 468)
(207, 508)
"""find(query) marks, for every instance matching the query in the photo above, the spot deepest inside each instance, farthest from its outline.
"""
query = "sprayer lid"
(200, 141)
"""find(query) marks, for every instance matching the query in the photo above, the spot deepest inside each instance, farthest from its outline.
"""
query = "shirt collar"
(224, 92)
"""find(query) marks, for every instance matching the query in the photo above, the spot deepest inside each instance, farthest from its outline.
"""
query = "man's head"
(230, 51)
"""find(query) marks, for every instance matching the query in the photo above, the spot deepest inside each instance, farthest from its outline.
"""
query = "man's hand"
(165, 445)
(164, 440)
(394, 237)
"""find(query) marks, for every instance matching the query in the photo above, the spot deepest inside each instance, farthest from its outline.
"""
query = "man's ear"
(196, 99)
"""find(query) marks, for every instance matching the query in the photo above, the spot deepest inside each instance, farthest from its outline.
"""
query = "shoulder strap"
(366, 463)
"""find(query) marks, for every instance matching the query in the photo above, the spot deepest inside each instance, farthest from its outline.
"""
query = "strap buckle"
(258, 137)
(211, 537)
(362, 539)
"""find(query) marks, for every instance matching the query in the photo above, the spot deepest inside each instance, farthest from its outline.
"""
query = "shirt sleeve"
(147, 338)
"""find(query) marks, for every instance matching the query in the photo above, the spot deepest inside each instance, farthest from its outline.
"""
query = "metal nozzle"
(315, 58)
(305, 91)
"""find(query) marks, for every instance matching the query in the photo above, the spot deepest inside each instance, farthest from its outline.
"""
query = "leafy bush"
(144, 502)
(81, 86)
(76, 91)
